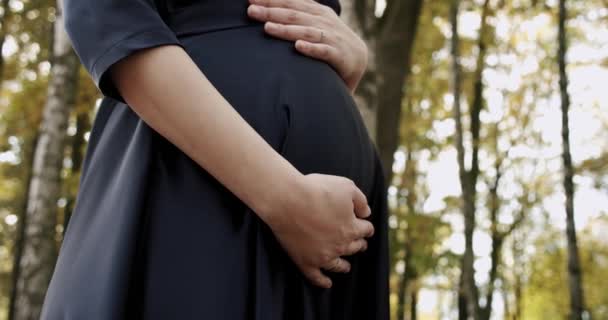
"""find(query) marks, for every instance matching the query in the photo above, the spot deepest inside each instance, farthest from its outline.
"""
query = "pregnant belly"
(298, 104)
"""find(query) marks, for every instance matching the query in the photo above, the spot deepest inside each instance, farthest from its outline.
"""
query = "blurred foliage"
(544, 295)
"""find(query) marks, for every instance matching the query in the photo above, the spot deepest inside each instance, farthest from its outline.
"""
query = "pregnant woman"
(228, 173)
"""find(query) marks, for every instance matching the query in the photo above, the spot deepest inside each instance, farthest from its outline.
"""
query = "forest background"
(490, 117)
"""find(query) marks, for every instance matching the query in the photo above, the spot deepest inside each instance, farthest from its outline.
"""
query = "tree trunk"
(518, 298)
(403, 284)
(414, 303)
(458, 137)
(380, 93)
(517, 272)
(463, 313)
(470, 196)
(506, 305)
(22, 222)
(469, 177)
(396, 37)
(497, 236)
(39, 248)
(83, 124)
(410, 273)
(497, 241)
(355, 13)
(4, 19)
(574, 269)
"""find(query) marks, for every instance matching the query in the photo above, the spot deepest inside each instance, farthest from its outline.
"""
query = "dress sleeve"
(103, 32)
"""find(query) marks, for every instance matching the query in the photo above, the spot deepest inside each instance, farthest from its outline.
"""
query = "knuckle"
(285, 31)
(326, 257)
(292, 16)
(339, 265)
(347, 233)
(308, 34)
(326, 21)
(354, 234)
(336, 265)
(347, 181)
(291, 3)
(350, 250)
(328, 10)
(269, 14)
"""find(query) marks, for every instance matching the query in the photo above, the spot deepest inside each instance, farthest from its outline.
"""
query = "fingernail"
(271, 25)
(254, 9)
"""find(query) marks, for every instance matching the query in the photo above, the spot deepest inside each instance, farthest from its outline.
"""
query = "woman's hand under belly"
(318, 32)
(320, 220)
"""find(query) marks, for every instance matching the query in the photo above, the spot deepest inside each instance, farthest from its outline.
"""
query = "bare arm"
(312, 215)
(194, 116)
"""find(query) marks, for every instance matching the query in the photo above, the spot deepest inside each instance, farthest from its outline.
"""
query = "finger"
(338, 265)
(362, 209)
(320, 51)
(294, 33)
(283, 15)
(356, 246)
(318, 278)
(311, 7)
(363, 229)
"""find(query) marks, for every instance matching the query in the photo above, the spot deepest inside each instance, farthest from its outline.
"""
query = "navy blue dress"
(153, 235)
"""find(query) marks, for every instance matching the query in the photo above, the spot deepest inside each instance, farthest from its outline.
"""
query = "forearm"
(171, 94)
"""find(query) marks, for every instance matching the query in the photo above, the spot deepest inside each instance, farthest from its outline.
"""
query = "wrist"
(286, 190)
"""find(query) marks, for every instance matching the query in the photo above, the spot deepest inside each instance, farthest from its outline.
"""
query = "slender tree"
(458, 138)
(4, 21)
(20, 236)
(468, 290)
(577, 305)
(77, 154)
(39, 245)
(408, 182)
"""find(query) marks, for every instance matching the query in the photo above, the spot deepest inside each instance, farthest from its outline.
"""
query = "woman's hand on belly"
(321, 219)
(318, 32)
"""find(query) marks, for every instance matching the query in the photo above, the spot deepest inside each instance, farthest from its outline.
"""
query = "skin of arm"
(316, 218)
